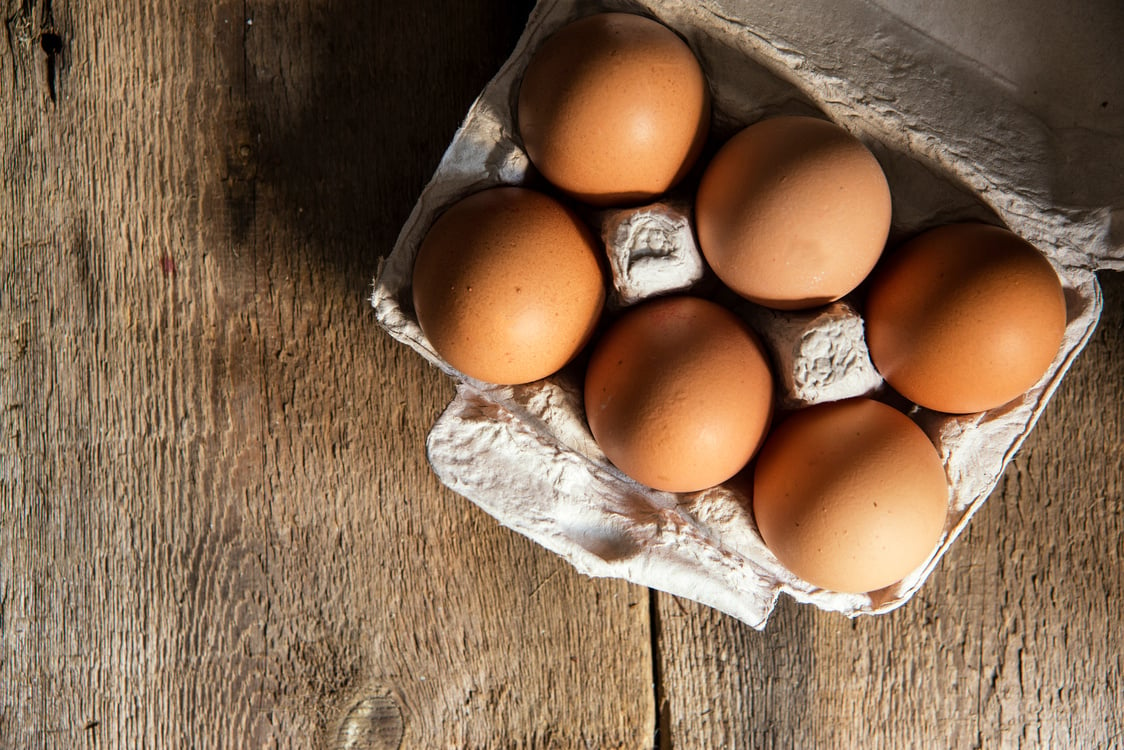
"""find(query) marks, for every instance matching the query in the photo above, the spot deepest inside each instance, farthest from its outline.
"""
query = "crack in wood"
(661, 732)
(11, 49)
(51, 44)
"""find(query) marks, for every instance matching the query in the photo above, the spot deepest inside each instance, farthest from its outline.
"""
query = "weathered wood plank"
(217, 527)
(1013, 642)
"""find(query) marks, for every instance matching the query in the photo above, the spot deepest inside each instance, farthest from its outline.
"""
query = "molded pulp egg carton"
(954, 145)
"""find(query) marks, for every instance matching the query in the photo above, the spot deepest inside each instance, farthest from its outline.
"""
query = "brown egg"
(793, 212)
(508, 285)
(850, 496)
(964, 318)
(614, 109)
(679, 394)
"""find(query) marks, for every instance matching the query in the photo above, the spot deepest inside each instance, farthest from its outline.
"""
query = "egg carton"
(954, 146)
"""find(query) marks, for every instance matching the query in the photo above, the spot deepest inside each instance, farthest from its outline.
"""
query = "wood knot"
(371, 723)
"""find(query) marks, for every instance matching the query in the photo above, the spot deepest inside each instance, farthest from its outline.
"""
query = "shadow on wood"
(345, 152)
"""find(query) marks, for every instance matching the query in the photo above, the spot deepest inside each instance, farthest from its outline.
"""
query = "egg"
(679, 394)
(793, 212)
(964, 318)
(508, 285)
(613, 109)
(850, 496)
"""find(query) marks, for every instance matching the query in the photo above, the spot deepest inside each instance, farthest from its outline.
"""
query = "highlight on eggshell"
(679, 393)
(850, 496)
(508, 285)
(613, 109)
(965, 318)
(793, 212)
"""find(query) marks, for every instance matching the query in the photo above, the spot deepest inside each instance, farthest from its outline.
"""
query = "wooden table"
(218, 526)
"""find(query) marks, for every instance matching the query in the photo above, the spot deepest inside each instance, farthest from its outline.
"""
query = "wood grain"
(1013, 642)
(218, 528)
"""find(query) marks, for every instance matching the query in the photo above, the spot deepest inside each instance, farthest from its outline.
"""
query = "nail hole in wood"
(51, 43)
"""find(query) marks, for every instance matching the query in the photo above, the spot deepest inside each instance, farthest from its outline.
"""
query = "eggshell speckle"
(679, 394)
(851, 496)
(793, 212)
(965, 318)
(614, 109)
(508, 286)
